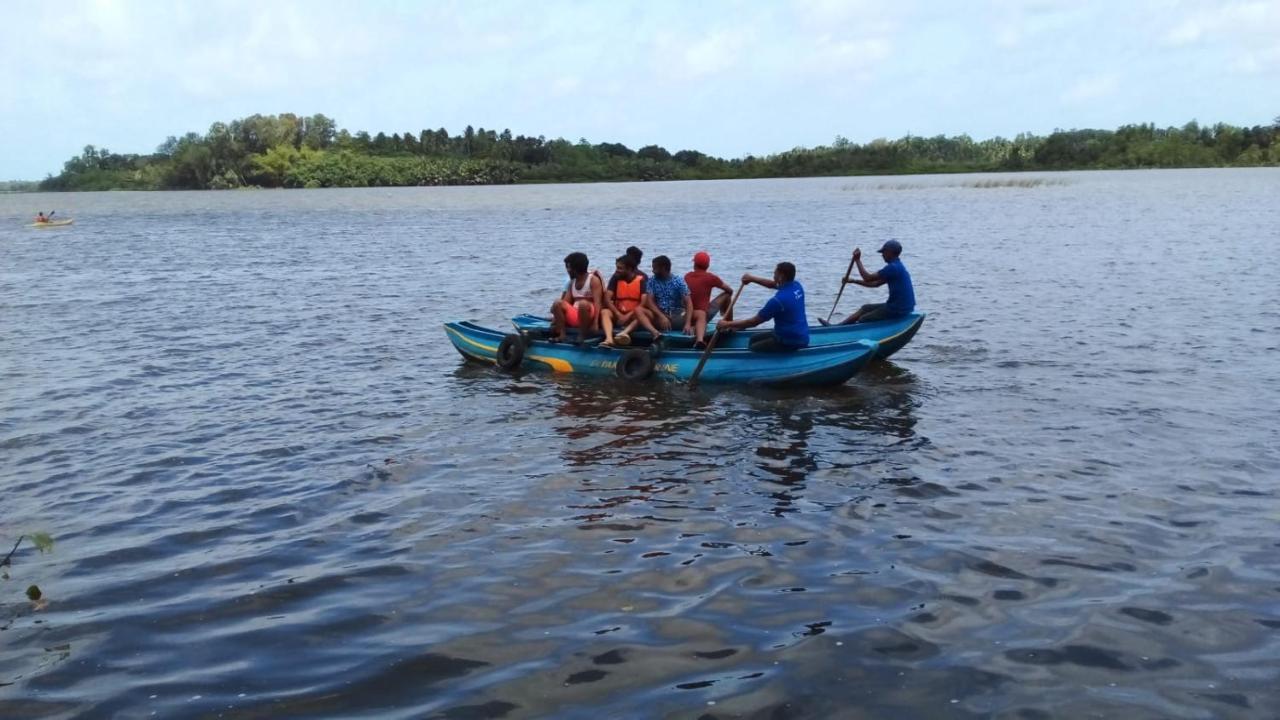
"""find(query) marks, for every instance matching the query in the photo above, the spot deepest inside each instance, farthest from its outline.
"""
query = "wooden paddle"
(842, 285)
(711, 343)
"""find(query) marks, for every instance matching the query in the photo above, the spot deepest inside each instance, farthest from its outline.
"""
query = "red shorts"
(571, 317)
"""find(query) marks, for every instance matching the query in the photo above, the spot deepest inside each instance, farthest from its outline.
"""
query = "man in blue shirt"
(785, 309)
(667, 297)
(902, 296)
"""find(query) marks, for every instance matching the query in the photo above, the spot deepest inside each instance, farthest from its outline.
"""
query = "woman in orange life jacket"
(579, 305)
(624, 304)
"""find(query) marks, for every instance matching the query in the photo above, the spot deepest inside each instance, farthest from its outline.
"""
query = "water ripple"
(275, 491)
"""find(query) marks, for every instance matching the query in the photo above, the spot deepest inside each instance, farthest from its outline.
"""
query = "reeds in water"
(981, 184)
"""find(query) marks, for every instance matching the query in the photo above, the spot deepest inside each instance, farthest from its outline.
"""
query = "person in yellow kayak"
(42, 218)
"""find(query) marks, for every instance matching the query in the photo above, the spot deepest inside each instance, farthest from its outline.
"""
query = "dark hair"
(662, 261)
(787, 271)
(628, 260)
(577, 262)
(636, 253)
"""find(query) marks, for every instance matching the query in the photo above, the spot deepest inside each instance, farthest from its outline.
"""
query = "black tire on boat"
(510, 352)
(635, 365)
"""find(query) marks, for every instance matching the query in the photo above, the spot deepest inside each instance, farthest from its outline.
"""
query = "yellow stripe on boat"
(469, 341)
(898, 335)
(476, 356)
(555, 363)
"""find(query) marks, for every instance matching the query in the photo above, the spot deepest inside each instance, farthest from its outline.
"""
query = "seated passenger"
(667, 298)
(624, 303)
(785, 309)
(579, 304)
(700, 283)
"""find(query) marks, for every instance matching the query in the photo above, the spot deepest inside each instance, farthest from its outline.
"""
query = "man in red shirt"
(701, 283)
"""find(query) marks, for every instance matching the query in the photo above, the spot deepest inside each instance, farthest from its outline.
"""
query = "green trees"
(295, 151)
(655, 153)
(318, 132)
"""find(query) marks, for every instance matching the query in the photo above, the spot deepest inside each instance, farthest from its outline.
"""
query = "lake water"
(275, 490)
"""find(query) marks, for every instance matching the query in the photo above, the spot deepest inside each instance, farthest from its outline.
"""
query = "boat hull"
(890, 336)
(823, 365)
(51, 224)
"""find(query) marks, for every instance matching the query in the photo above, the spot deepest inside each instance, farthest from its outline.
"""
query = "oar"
(842, 284)
(711, 343)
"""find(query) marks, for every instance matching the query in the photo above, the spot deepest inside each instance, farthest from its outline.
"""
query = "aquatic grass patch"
(976, 184)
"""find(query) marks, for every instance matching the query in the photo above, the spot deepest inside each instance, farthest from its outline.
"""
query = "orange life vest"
(626, 294)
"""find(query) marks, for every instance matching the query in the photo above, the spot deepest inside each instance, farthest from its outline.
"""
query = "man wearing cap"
(902, 297)
(700, 283)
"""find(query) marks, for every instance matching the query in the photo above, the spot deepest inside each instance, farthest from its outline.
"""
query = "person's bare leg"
(722, 302)
(586, 310)
(631, 319)
(699, 326)
(606, 319)
(855, 317)
(558, 322)
(642, 316)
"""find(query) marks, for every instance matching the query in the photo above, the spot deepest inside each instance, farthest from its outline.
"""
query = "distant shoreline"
(907, 173)
(288, 151)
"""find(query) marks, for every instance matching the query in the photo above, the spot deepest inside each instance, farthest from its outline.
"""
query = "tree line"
(295, 151)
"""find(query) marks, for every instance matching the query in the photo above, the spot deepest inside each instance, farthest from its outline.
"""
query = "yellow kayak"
(51, 223)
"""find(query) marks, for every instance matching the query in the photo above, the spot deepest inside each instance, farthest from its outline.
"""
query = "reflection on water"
(276, 491)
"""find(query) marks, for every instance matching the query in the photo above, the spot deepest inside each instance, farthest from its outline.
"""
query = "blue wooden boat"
(830, 364)
(889, 335)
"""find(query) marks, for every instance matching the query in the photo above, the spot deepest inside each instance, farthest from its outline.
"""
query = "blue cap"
(893, 245)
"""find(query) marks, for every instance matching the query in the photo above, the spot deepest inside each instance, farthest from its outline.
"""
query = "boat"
(51, 224)
(889, 335)
(829, 364)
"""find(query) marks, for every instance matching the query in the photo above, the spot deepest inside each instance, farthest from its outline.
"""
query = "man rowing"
(902, 295)
(579, 305)
(786, 310)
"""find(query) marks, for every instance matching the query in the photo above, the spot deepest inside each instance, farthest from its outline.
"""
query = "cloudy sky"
(728, 77)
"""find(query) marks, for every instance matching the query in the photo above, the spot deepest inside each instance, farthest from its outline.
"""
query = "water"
(276, 491)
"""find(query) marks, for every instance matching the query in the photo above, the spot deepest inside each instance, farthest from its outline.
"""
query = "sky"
(726, 77)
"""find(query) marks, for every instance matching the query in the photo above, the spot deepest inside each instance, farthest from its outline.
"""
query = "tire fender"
(635, 365)
(510, 352)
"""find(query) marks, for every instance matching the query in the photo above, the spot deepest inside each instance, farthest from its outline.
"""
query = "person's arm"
(597, 295)
(768, 312)
(869, 279)
(743, 324)
(748, 278)
(688, 313)
(875, 281)
(608, 296)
